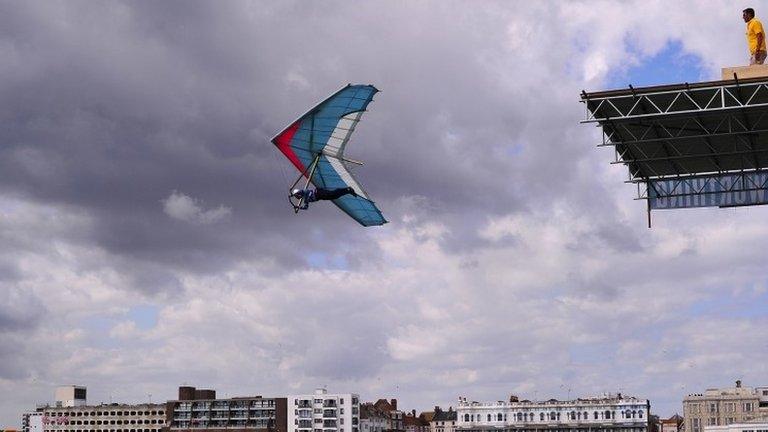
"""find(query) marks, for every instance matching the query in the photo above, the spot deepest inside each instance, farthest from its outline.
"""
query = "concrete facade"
(101, 418)
(724, 406)
(71, 396)
(32, 422)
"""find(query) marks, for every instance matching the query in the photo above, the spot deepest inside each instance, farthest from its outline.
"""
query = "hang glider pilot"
(312, 195)
(755, 37)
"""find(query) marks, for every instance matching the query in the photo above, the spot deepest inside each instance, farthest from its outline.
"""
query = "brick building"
(200, 410)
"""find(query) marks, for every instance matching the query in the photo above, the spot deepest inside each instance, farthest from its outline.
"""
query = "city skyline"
(146, 240)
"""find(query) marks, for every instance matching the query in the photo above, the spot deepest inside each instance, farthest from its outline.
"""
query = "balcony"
(329, 413)
(329, 404)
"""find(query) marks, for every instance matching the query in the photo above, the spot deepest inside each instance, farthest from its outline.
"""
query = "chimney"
(393, 402)
(413, 413)
(738, 383)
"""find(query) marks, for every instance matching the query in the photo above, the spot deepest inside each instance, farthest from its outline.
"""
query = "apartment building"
(200, 410)
(724, 406)
(324, 412)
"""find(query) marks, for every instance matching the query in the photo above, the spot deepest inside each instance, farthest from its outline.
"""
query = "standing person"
(755, 37)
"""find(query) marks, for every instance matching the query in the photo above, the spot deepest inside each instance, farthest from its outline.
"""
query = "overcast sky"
(146, 240)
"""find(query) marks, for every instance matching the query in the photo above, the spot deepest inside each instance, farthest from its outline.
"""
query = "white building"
(323, 412)
(609, 414)
(739, 427)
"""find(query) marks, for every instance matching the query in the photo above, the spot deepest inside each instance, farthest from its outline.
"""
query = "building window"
(498, 417)
(466, 417)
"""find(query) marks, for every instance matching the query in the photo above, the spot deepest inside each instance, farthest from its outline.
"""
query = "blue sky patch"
(747, 304)
(671, 65)
(145, 316)
(327, 261)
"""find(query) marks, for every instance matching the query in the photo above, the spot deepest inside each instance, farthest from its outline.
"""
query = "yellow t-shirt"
(755, 27)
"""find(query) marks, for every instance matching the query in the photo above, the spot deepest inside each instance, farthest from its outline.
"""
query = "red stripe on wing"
(283, 142)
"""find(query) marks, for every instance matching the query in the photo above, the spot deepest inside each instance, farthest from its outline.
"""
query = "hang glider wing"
(322, 134)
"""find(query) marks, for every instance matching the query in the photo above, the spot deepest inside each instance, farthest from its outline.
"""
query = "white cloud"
(185, 208)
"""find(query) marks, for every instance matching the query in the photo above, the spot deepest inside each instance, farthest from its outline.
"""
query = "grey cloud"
(109, 107)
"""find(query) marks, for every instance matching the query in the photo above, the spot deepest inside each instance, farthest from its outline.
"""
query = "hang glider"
(315, 144)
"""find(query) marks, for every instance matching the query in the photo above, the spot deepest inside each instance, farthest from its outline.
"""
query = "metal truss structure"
(689, 145)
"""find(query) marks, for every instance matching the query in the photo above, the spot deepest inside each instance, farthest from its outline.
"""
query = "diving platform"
(691, 144)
